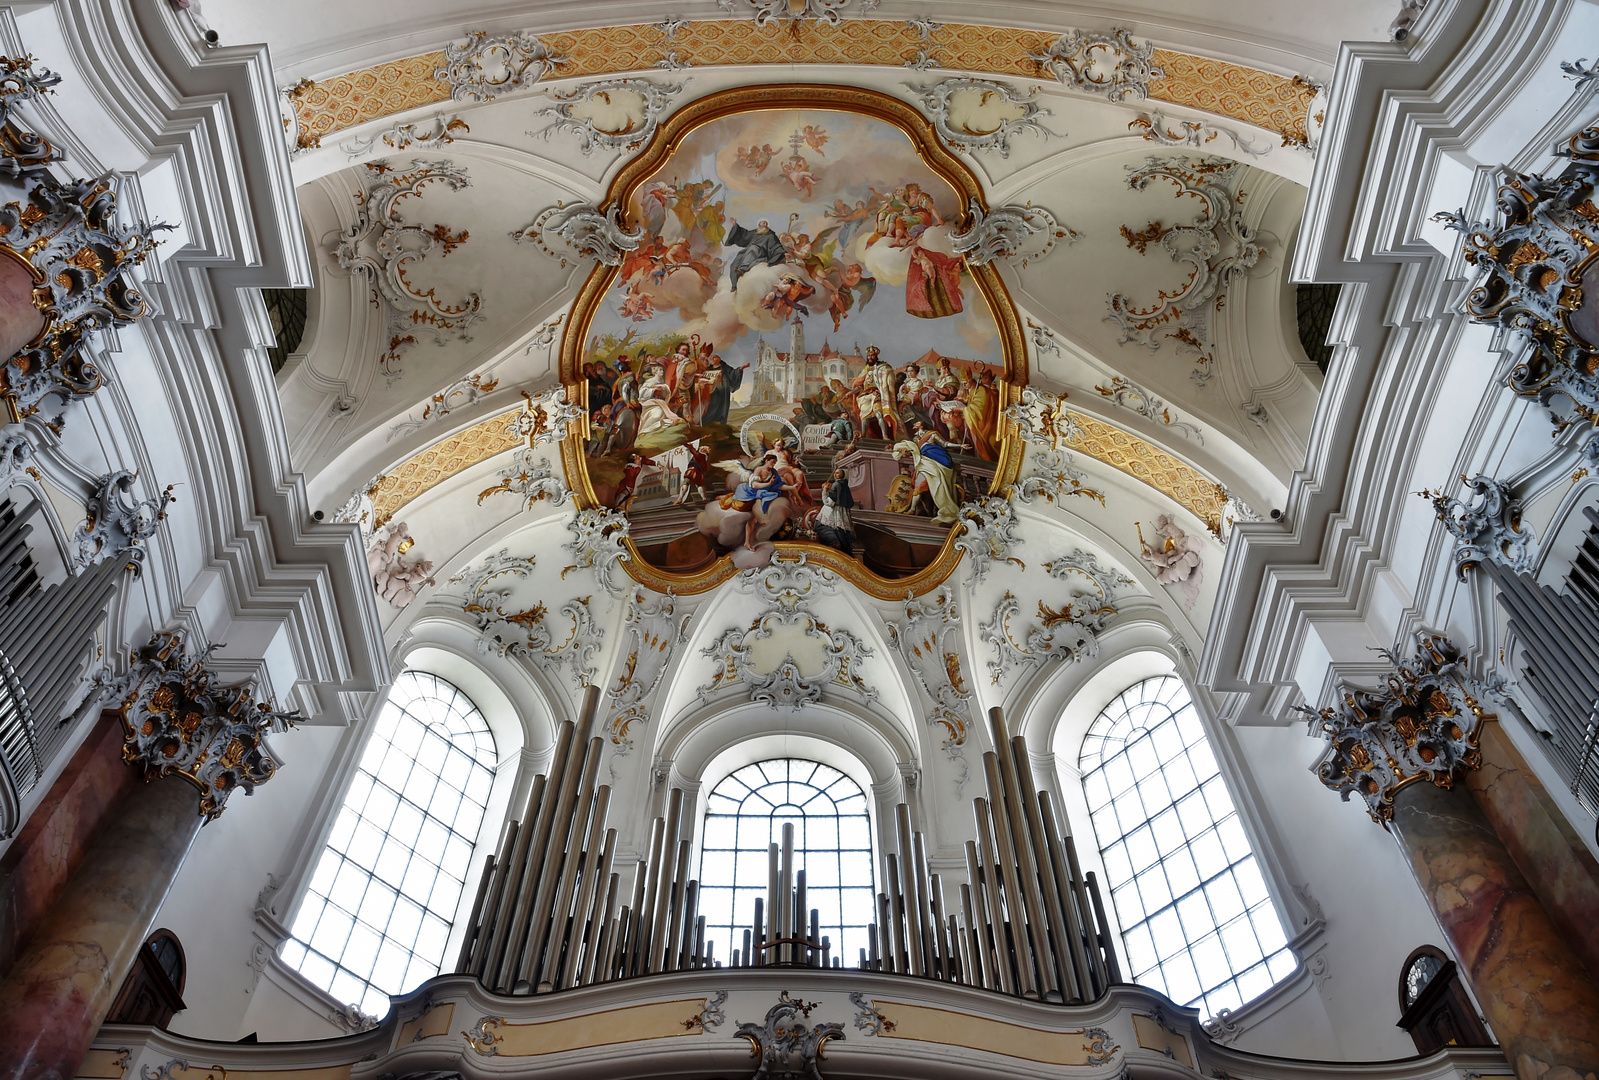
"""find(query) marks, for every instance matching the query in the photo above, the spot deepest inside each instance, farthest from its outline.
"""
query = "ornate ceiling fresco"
(794, 348)
(613, 327)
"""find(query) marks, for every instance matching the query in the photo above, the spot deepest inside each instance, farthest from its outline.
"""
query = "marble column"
(1411, 750)
(59, 991)
(1554, 859)
(1540, 1002)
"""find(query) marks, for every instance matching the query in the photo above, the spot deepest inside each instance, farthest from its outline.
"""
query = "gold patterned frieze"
(442, 460)
(1277, 103)
(1184, 484)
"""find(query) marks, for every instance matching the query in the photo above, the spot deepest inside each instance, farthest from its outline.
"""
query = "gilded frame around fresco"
(937, 158)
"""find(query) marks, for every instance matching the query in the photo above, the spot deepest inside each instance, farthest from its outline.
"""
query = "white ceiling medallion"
(611, 114)
(1108, 65)
(980, 114)
(491, 65)
(386, 248)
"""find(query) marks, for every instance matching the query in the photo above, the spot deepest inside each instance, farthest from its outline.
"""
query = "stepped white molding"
(1394, 118)
(209, 121)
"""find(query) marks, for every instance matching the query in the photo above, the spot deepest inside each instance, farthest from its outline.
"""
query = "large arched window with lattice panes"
(1196, 918)
(745, 814)
(377, 914)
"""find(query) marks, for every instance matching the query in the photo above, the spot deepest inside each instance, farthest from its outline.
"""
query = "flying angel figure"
(816, 137)
(756, 158)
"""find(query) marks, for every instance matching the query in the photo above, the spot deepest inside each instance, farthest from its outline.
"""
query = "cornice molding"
(1392, 114)
(212, 115)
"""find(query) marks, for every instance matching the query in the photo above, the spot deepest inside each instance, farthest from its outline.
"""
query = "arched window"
(832, 844)
(1196, 918)
(378, 911)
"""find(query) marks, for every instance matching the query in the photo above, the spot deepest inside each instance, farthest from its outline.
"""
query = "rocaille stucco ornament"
(1023, 233)
(581, 231)
(1108, 65)
(385, 248)
(1422, 725)
(1217, 246)
(1488, 529)
(178, 723)
(610, 114)
(490, 65)
(981, 114)
(67, 236)
(1540, 262)
(116, 522)
(789, 586)
(786, 1047)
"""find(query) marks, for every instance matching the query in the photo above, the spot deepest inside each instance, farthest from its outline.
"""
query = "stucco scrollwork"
(491, 65)
(611, 114)
(1540, 277)
(980, 114)
(531, 478)
(81, 257)
(1024, 233)
(597, 544)
(581, 231)
(507, 627)
(23, 151)
(791, 13)
(1137, 399)
(1041, 417)
(1421, 726)
(867, 1018)
(786, 1047)
(928, 636)
(117, 522)
(988, 533)
(462, 393)
(385, 248)
(1196, 133)
(1108, 65)
(656, 631)
(1068, 632)
(432, 134)
(176, 722)
(481, 1036)
(1488, 529)
(1215, 247)
(1054, 477)
(788, 586)
(546, 417)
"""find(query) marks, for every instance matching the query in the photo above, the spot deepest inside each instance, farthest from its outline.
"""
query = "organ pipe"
(545, 915)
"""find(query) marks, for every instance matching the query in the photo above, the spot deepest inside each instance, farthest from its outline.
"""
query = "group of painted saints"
(637, 396)
(926, 416)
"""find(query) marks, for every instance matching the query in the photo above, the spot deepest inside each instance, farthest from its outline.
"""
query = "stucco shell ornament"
(798, 355)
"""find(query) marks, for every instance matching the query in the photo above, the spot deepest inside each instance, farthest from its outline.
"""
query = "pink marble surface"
(1540, 1002)
(56, 996)
(1552, 857)
(63, 826)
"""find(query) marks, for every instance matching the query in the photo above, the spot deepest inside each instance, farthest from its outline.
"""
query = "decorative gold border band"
(1276, 103)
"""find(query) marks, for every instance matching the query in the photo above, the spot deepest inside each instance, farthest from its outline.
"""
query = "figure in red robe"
(933, 286)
